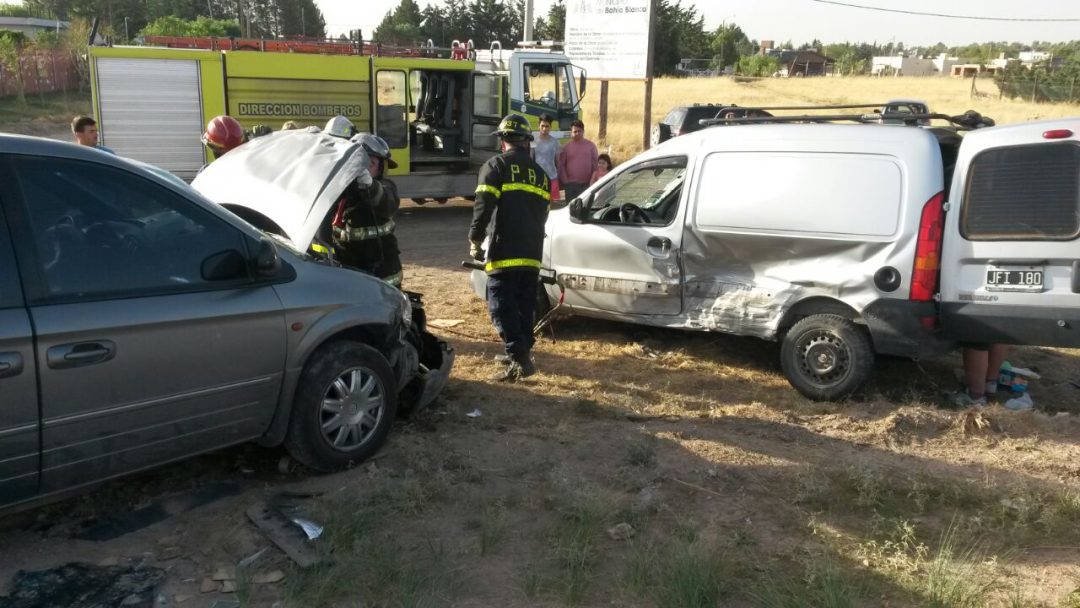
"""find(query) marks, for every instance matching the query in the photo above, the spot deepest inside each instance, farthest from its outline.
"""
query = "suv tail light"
(924, 276)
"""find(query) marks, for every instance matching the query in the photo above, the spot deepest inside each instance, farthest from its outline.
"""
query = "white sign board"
(609, 38)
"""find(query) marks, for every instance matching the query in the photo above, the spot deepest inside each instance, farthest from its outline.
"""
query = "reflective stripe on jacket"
(362, 233)
(512, 196)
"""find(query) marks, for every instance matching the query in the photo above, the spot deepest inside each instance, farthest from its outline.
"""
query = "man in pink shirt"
(577, 161)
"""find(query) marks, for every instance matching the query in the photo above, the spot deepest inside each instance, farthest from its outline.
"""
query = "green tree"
(552, 26)
(201, 26)
(757, 65)
(679, 32)
(400, 26)
(47, 39)
(728, 44)
(11, 47)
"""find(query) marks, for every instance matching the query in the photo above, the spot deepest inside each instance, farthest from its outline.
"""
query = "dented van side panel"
(777, 215)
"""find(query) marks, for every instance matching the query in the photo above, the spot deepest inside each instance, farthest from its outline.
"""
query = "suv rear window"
(675, 117)
(1029, 192)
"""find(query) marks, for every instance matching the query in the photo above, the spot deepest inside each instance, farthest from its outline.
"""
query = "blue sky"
(804, 20)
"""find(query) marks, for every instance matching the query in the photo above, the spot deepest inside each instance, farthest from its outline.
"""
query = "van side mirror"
(579, 214)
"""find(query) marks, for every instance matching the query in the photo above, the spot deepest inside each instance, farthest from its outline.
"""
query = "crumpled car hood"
(291, 177)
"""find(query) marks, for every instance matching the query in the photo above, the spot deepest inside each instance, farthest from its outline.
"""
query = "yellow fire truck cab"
(153, 102)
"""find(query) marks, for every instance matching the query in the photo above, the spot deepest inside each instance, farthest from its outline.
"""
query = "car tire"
(826, 357)
(661, 132)
(352, 385)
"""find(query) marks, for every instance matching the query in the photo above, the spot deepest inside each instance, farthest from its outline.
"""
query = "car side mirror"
(223, 266)
(579, 214)
(267, 261)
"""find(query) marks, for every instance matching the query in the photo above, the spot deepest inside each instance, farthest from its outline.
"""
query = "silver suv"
(141, 323)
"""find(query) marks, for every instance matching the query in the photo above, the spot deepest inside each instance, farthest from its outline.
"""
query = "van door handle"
(11, 364)
(658, 247)
(80, 354)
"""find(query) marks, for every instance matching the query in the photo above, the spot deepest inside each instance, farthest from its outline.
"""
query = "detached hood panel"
(291, 177)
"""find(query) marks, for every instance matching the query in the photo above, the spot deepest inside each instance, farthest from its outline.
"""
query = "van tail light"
(1057, 134)
(924, 276)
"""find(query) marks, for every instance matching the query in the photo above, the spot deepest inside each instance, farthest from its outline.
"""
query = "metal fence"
(43, 71)
(1038, 87)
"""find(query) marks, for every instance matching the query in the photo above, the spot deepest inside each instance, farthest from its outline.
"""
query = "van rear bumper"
(897, 329)
(1024, 325)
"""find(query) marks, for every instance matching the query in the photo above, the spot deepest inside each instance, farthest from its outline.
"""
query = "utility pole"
(528, 35)
(303, 24)
(209, 9)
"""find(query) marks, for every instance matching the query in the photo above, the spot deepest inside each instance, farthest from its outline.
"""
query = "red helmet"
(223, 133)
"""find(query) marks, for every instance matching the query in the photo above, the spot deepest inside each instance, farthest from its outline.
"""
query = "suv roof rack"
(967, 121)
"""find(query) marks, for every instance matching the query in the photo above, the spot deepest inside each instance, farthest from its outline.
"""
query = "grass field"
(943, 94)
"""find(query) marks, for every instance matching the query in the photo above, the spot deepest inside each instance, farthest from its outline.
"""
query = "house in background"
(32, 26)
(803, 63)
(899, 65)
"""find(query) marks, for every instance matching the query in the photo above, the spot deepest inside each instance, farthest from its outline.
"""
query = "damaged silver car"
(286, 184)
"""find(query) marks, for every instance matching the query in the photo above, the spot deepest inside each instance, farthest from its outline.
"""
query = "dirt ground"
(640, 468)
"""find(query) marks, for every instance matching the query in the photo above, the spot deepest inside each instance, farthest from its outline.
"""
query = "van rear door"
(1010, 260)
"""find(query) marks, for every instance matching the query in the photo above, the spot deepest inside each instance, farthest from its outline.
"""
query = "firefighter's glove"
(476, 251)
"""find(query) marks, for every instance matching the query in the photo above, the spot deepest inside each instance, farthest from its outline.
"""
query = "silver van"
(141, 323)
(828, 238)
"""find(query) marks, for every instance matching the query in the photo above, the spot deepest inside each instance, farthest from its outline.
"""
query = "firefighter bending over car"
(512, 195)
(362, 224)
(223, 133)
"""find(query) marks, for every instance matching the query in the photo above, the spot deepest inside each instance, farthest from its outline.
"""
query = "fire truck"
(437, 113)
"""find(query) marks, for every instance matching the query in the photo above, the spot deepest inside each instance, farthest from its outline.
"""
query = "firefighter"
(512, 195)
(362, 224)
(223, 133)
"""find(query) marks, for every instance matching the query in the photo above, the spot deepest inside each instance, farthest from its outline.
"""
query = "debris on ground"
(476, 413)
(310, 528)
(79, 585)
(283, 533)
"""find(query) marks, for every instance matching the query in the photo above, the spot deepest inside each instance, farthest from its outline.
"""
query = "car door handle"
(659, 247)
(80, 354)
(11, 364)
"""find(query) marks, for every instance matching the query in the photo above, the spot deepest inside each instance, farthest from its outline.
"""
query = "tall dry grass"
(943, 94)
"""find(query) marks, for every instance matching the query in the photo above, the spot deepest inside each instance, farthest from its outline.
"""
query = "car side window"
(10, 292)
(647, 193)
(101, 231)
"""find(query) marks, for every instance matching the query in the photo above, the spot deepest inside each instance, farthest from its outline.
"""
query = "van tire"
(826, 357)
(360, 376)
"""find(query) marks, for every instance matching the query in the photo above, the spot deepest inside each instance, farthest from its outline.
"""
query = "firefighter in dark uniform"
(513, 195)
(362, 225)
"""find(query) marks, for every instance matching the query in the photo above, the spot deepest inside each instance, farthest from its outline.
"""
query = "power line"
(944, 15)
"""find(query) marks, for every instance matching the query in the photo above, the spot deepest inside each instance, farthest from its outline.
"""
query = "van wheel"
(826, 357)
(345, 404)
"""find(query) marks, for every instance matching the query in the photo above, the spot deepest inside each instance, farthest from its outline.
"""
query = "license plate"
(1014, 278)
